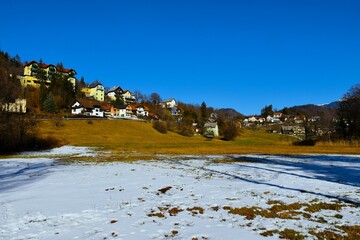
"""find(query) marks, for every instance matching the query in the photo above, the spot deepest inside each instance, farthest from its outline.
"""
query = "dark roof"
(66, 70)
(94, 84)
(44, 65)
(115, 89)
(29, 63)
(118, 106)
(89, 103)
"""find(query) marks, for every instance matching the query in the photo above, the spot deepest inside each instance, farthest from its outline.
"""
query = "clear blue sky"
(238, 54)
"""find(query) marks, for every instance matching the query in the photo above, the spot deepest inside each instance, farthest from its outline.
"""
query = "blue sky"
(238, 54)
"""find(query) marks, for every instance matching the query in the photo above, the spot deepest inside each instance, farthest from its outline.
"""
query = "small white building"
(175, 111)
(212, 128)
(87, 107)
(119, 111)
(273, 119)
(168, 103)
(19, 106)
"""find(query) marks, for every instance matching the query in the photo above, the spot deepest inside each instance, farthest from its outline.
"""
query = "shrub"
(49, 105)
(231, 131)
(186, 131)
(309, 142)
(59, 124)
(160, 126)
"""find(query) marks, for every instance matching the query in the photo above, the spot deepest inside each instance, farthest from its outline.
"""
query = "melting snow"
(42, 199)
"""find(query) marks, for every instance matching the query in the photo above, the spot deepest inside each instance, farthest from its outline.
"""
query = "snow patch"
(124, 200)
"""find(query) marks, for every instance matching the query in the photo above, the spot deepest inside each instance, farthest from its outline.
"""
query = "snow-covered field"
(184, 197)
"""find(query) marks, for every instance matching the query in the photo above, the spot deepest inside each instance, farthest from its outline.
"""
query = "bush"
(49, 105)
(18, 133)
(231, 131)
(309, 142)
(160, 126)
(59, 124)
(186, 131)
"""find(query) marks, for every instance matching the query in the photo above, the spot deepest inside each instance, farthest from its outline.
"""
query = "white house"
(87, 107)
(169, 103)
(142, 110)
(113, 92)
(298, 119)
(272, 119)
(175, 111)
(251, 119)
(277, 115)
(211, 128)
(137, 110)
(119, 111)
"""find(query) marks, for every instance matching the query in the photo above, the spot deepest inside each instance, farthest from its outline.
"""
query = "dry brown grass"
(286, 211)
(126, 138)
(349, 233)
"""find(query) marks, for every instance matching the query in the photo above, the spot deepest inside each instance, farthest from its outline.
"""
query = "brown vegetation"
(128, 138)
(285, 211)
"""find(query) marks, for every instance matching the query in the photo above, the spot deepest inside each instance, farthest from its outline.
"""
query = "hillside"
(131, 137)
(333, 105)
(311, 110)
(229, 112)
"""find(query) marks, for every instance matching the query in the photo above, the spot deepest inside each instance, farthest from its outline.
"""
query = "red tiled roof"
(66, 70)
(106, 107)
(44, 65)
(29, 63)
(135, 106)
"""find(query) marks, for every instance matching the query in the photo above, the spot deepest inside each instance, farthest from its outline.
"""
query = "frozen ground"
(185, 197)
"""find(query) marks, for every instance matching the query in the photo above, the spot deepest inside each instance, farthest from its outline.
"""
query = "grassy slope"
(131, 136)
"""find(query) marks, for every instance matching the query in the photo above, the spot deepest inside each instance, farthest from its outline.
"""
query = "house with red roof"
(33, 69)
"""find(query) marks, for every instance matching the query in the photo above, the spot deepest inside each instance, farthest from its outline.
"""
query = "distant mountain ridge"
(325, 111)
(229, 112)
(333, 105)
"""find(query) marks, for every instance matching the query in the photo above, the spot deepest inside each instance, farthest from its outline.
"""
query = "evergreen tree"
(267, 110)
(43, 94)
(49, 105)
(119, 100)
(204, 114)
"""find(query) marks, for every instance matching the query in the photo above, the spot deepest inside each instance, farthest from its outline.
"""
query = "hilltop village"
(94, 100)
(50, 90)
(41, 83)
(116, 103)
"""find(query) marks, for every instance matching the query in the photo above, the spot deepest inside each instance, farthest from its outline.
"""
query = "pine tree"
(203, 110)
(49, 105)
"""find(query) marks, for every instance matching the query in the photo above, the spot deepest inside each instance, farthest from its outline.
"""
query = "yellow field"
(121, 136)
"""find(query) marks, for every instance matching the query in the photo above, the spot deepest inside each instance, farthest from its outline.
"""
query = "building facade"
(33, 70)
(95, 90)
